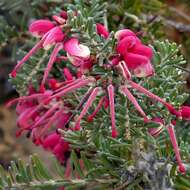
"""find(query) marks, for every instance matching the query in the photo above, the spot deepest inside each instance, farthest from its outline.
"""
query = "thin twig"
(180, 13)
(181, 68)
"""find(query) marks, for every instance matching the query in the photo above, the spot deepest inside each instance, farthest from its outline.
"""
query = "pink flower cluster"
(136, 56)
(42, 113)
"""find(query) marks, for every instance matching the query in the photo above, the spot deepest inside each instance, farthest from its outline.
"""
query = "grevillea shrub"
(104, 103)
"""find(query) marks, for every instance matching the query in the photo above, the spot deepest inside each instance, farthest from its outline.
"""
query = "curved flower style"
(155, 131)
(42, 113)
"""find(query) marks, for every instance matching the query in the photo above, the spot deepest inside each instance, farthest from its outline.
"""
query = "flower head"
(136, 55)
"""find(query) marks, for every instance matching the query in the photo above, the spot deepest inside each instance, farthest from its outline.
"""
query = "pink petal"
(120, 34)
(101, 30)
(54, 36)
(142, 50)
(125, 44)
(58, 19)
(59, 152)
(51, 141)
(112, 110)
(86, 65)
(73, 48)
(88, 103)
(144, 70)
(63, 14)
(115, 60)
(127, 93)
(158, 120)
(175, 147)
(185, 112)
(134, 60)
(52, 59)
(139, 64)
(40, 27)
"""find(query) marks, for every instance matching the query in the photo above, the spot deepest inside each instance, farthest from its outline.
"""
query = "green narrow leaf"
(59, 169)
(88, 165)
(29, 173)
(22, 170)
(184, 181)
(43, 171)
(3, 176)
(76, 163)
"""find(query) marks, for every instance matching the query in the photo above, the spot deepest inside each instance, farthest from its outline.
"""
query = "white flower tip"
(85, 51)
(123, 33)
(73, 48)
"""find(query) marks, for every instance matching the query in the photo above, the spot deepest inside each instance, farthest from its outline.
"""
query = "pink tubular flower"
(101, 30)
(68, 75)
(54, 36)
(40, 27)
(41, 120)
(100, 104)
(126, 92)
(185, 112)
(86, 107)
(50, 38)
(112, 110)
(52, 59)
(27, 56)
(71, 87)
(171, 132)
(141, 89)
